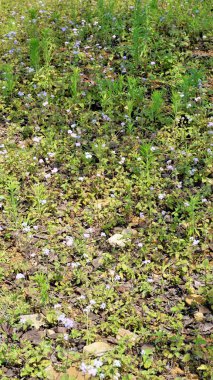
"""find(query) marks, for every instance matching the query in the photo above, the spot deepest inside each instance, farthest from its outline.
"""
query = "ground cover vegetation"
(105, 179)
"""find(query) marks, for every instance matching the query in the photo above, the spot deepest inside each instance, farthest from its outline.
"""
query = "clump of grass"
(74, 83)
(47, 46)
(34, 52)
(12, 200)
(154, 111)
(9, 80)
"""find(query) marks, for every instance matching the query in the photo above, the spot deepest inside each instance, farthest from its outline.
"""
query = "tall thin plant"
(34, 51)
(156, 106)
(9, 80)
(47, 46)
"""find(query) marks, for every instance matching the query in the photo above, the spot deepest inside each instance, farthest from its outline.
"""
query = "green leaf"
(186, 358)
(203, 367)
(147, 363)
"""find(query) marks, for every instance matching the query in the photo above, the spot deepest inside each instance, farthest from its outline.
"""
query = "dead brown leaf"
(194, 299)
(176, 371)
(202, 53)
(75, 373)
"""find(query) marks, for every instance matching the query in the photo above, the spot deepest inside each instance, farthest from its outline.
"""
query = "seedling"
(34, 52)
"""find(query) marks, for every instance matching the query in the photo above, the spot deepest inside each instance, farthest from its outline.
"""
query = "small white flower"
(195, 241)
(75, 265)
(46, 251)
(170, 167)
(55, 170)
(86, 235)
(67, 322)
(66, 337)
(91, 370)
(82, 297)
(97, 363)
(45, 103)
(19, 276)
(57, 306)
(146, 262)
(103, 306)
(43, 201)
(72, 134)
(140, 245)
(51, 154)
(152, 63)
(61, 317)
(37, 139)
(122, 160)
(87, 309)
(83, 368)
(69, 241)
(88, 155)
(26, 229)
(22, 319)
(117, 363)
(161, 196)
(192, 171)
(46, 176)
